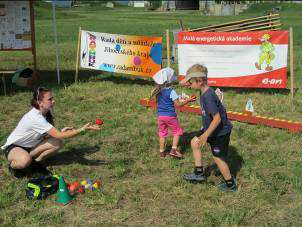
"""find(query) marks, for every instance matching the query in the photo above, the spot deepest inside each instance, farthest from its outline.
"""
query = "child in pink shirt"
(166, 99)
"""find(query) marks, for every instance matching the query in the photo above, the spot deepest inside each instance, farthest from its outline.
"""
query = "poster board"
(128, 54)
(237, 59)
(17, 31)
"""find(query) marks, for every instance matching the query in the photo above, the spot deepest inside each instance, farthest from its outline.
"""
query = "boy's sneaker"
(17, 173)
(195, 177)
(175, 153)
(223, 187)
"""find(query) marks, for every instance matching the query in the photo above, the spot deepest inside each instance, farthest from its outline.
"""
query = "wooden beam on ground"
(292, 126)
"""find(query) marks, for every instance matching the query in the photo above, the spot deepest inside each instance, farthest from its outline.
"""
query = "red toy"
(76, 184)
(99, 121)
(71, 189)
(81, 190)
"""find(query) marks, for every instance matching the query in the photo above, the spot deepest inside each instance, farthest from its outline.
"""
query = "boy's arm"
(215, 122)
(178, 103)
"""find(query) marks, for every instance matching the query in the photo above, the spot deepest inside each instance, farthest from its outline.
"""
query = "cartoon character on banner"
(267, 53)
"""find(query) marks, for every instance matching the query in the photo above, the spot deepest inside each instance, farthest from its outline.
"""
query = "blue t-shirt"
(165, 102)
(210, 105)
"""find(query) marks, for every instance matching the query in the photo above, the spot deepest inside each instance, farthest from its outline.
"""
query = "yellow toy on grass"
(266, 54)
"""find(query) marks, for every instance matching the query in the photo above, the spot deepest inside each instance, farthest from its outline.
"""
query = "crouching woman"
(35, 138)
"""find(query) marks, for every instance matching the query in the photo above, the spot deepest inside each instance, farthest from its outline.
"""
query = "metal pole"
(291, 61)
(168, 47)
(56, 37)
(78, 56)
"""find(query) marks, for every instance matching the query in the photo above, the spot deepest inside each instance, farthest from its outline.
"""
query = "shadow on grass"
(76, 155)
(234, 160)
(48, 79)
(68, 77)
(126, 80)
(185, 140)
(87, 75)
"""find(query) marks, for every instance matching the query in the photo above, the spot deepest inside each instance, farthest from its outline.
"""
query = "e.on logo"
(272, 81)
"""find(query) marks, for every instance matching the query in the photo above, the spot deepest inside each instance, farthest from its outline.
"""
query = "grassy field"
(139, 188)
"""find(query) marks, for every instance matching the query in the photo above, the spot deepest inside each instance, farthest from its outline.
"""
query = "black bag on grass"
(41, 188)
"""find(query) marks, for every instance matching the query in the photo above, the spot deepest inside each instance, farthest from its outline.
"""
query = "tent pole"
(33, 39)
(291, 61)
(56, 37)
(168, 47)
(78, 56)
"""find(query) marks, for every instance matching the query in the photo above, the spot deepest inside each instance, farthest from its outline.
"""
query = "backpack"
(41, 188)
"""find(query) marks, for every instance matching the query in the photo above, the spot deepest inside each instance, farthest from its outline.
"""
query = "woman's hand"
(69, 132)
(89, 126)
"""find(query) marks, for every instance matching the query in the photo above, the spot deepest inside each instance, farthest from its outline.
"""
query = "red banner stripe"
(273, 79)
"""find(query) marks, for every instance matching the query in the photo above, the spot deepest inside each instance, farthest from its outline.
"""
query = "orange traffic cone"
(63, 196)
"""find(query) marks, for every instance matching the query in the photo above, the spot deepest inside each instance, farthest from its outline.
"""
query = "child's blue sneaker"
(195, 177)
(223, 187)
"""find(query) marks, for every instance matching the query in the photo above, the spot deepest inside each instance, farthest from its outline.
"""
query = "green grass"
(138, 188)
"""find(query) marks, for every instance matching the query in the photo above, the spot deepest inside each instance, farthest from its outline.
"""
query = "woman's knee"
(20, 162)
(56, 143)
(25, 162)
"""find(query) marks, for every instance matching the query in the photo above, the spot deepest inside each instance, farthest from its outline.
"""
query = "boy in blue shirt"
(216, 129)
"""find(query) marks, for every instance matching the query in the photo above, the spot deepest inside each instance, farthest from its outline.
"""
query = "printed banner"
(237, 59)
(15, 31)
(135, 55)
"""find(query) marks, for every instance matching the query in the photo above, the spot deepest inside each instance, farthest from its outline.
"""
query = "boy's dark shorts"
(220, 145)
(10, 147)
